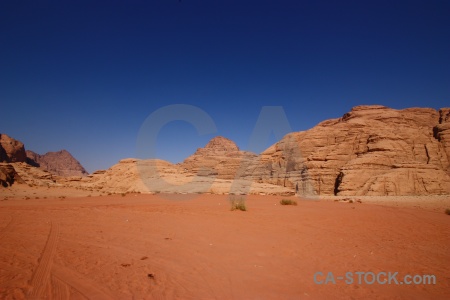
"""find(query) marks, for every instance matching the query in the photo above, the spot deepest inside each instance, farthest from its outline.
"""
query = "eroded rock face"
(60, 163)
(372, 150)
(11, 150)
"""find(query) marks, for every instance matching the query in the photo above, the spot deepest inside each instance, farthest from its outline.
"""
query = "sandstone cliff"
(372, 150)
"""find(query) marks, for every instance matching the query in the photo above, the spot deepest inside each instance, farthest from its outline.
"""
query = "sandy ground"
(170, 247)
(438, 203)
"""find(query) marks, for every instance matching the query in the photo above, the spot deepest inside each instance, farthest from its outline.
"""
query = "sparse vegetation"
(350, 201)
(238, 203)
(288, 202)
(123, 194)
(447, 211)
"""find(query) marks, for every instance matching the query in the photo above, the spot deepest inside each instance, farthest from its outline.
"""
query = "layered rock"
(33, 176)
(220, 158)
(11, 150)
(372, 150)
(60, 163)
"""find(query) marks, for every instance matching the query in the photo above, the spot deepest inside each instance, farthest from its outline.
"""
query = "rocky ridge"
(369, 151)
(18, 165)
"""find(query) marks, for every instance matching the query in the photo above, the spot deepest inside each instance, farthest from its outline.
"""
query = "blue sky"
(84, 75)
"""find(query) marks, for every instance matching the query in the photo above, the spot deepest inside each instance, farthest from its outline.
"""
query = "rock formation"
(11, 150)
(20, 166)
(372, 150)
(159, 176)
(60, 163)
(220, 158)
(8, 175)
(34, 176)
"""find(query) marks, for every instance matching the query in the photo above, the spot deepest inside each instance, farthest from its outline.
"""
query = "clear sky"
(84, 75)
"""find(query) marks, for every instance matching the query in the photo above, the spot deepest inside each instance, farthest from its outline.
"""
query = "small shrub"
(350, 201)
(288, 202)
(447, 211)
(123, 194)
(238, 204)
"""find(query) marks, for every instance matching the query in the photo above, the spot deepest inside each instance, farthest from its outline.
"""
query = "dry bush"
(288, 202)
(238, 203)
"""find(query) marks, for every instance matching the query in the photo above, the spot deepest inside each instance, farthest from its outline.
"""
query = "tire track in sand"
(60, 290)
(85, 287)
(41, 276)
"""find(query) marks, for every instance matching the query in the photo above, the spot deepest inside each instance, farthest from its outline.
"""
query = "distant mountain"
(60, 163)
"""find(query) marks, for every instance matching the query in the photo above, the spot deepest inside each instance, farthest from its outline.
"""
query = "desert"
(140, 246)
(150, 229)
(228, 150)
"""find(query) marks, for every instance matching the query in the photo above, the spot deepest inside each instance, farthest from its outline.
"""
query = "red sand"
(106, 247)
